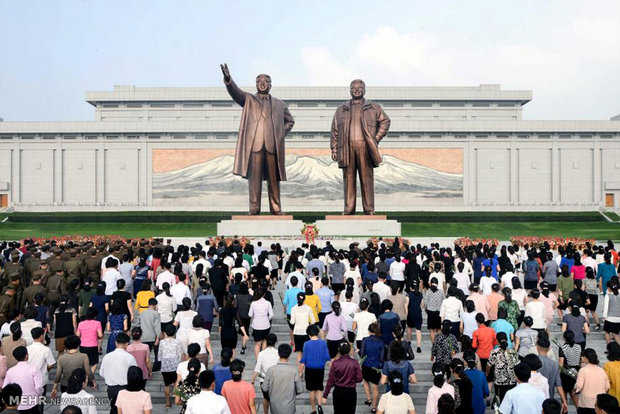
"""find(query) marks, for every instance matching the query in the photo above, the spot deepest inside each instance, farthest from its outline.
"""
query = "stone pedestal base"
(260, 226)
(358, 226)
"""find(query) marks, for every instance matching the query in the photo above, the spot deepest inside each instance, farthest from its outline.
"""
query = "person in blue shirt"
(290, 300)
(492, 262)
(502, 325)
(480, 386)
(315, 356)
(400, 364)
(206, 304)
(524, 398)
(369, 273)
(372, 353)
(222, 370)
(477, 265)
(326, 297)
(568, 260)
(387, 321)
(605, 271)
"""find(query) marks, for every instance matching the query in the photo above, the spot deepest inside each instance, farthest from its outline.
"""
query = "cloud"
(561, 66)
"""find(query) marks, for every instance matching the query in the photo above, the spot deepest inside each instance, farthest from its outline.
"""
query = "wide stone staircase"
(422, 365)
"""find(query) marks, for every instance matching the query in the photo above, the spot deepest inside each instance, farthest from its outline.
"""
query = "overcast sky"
(52, 52)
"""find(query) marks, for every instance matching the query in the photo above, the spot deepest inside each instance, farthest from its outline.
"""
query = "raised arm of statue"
(233, 90)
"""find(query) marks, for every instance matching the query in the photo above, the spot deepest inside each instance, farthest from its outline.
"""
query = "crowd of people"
(134, 310)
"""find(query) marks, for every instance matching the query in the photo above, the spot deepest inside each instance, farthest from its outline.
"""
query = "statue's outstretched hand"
(225, 72)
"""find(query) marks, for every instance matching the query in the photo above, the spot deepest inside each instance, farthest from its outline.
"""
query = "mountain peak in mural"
(308, 177)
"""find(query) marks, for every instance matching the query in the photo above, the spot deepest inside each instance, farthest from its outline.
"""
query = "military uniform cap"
(37, 276)
(92, 250)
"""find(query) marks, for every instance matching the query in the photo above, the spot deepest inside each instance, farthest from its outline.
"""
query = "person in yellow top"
(612, 368)
(143, 296)
(313, 301)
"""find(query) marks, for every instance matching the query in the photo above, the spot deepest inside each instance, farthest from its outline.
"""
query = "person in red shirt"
(483, 341)
(238, 393)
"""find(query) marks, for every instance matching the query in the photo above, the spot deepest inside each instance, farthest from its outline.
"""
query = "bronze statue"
(357, 128)
(265, 121)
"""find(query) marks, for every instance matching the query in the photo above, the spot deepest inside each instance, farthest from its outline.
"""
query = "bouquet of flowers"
(554, 242)
(389, 241)
(213, 241)
(310, 232)
(466, 242)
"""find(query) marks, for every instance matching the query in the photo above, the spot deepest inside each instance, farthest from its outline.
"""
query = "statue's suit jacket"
(375, 125)
(281, 119)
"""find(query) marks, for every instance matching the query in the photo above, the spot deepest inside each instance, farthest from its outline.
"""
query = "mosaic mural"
(406, 177)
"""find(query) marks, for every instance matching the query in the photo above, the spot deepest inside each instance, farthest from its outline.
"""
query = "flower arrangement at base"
(310, 232)
(466, 242)
(388, 241)
(554, 242)
(214, 241)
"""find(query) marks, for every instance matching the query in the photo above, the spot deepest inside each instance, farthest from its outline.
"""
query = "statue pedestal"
(334, 225)
(260, 226)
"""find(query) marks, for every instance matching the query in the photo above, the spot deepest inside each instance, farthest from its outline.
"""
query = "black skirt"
(434, 320)
(260, 334)
(314, 379)
(300, 340)
(228, 337)
(593, 303)
(92, 352)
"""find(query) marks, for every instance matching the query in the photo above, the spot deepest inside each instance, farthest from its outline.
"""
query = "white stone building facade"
(449, 148)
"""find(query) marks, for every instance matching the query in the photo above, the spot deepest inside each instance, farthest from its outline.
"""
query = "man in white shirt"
(589, 261)
(202, 259)
(397, 270)
(297, 273)
(361, 322)
(207, 401)
(104, 261)
(267, 358)
(40, 356)
(165, 276)
(451, 310)
(114, 367)
(110, 276)
(228, 260)
(180, 291)
(462, 279)
(380, 288)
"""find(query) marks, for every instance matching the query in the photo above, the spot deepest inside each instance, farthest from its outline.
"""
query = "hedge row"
(210, 217)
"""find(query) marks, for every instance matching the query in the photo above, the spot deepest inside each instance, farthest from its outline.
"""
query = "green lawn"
(600, 230)
(612, 215)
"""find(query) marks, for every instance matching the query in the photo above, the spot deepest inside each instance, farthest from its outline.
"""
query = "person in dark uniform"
(56, 287)
(31, 265)
(16, 283)
(43, 273)
(7, 305)
(13, 268)
(93, 265)
(30, 291)
(72, 268)
(55, 262)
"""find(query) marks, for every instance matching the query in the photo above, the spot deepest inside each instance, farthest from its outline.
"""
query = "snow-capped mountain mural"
(311, 179)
